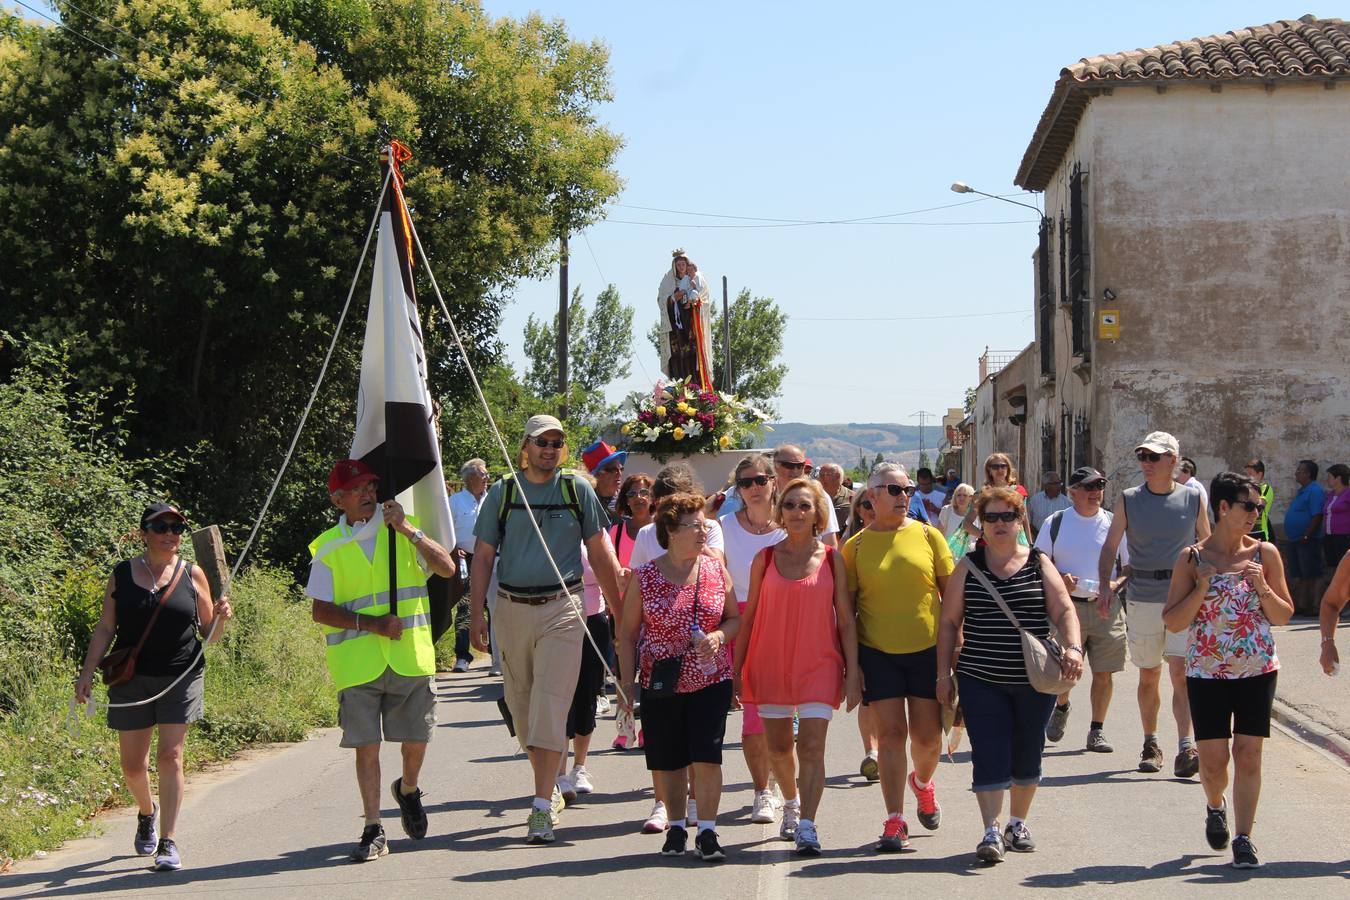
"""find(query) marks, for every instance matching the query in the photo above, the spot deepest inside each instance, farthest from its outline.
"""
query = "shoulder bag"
(665, 674)
(119, 667)
(1042, 656)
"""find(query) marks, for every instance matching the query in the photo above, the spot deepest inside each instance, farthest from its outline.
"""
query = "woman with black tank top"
(169, 661)
(1005, 716)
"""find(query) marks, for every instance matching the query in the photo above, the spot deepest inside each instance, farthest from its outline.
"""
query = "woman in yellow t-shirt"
(897, 570)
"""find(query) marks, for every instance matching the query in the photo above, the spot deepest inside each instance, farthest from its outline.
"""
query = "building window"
(1045, 299)
(1082, 441)
(1063, 258)
(1078, 262)
(1048, 449)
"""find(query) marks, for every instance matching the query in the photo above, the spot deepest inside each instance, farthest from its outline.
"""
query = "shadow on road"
(1180, 869)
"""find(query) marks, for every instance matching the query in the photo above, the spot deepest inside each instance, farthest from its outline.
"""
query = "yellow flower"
(724, 442)
(661, 411)
(628, 426)
(678, 434)
(682, 407)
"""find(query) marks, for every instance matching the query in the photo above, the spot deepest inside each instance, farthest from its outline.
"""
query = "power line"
(805, 224)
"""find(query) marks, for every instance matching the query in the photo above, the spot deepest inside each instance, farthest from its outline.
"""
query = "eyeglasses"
(1147, 456)
(791, 466)
(1008, 516)
(1091, 485)
(895, 490)
(693, 526)
(746, 482)
(542, 443)
(640, 492)
(165, 527)
(1250, 506)
(866, 504)
(614, 469)
(799, 505)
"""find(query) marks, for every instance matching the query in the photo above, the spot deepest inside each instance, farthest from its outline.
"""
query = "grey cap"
(537, 425)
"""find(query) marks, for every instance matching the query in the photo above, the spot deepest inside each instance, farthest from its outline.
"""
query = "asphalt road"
(279, 824)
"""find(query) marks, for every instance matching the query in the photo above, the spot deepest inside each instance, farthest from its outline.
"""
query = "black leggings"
(590, 678)
(1221, 707)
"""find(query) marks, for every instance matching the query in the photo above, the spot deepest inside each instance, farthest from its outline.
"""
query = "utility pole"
(562, 326)
(923, 416)
(727, 375)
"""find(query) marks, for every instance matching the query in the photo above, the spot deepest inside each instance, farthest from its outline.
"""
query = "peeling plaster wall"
(994, 430)
(1221, 223)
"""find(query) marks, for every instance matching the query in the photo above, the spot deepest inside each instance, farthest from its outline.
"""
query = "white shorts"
(804, 711)
(1149, 639)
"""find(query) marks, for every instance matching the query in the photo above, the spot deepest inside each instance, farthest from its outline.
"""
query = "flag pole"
(389, 455)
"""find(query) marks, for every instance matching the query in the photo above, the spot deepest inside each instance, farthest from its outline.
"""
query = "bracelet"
(1329, 640)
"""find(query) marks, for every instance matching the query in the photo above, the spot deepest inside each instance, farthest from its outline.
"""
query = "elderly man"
(831, 478)
(380, 654)
(1073, 539)
(1049, 499)
(606, 466)
(789, 462)
(464, 507)
(540, 623)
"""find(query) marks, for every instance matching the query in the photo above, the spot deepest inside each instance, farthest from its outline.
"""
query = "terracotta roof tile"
(1306, 48)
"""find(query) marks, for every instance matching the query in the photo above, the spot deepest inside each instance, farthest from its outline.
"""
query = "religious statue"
(685, 323)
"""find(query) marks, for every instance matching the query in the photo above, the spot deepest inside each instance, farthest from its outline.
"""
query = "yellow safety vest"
(362, 586)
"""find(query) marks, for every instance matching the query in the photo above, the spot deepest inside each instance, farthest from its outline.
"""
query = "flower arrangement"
(679, 418)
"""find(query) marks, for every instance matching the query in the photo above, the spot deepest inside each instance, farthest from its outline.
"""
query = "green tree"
(879, 460)
(924, 462)
(187, 212)
(599, 350)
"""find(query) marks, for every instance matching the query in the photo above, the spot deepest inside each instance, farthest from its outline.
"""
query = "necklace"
(154, 579)
(754, 528)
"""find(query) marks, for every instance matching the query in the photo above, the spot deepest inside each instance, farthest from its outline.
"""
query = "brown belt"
(534, 599)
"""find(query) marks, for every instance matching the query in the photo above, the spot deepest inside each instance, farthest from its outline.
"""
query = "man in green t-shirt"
(539, 622)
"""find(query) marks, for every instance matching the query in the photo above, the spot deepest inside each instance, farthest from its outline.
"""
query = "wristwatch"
(417, 535)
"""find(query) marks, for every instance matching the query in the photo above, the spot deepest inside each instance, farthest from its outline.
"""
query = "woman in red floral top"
(1227, 591)
(681, 605)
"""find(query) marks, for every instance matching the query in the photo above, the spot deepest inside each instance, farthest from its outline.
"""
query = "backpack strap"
(1056, 521)
(510, 502)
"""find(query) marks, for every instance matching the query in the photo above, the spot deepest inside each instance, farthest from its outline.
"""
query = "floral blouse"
(1230, 637)
(668, 612)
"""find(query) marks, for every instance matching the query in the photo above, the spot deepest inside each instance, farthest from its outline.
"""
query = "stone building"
(1193, 266)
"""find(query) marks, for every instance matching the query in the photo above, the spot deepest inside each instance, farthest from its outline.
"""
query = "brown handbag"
(119, 666)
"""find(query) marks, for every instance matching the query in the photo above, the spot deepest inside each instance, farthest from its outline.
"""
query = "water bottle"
(464, 569)
(708, 665)
(1089, 585)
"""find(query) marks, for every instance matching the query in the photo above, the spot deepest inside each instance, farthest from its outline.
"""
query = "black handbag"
(665, 675)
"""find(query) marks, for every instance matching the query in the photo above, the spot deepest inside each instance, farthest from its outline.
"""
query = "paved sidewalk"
(1308, 701)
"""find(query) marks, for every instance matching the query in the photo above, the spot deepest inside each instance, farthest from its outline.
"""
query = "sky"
(773, 111)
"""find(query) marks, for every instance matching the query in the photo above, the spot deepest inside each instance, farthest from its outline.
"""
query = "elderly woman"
(1005, 716)
(155, 605)
(897, 570)
(685, 322)
(949, 520)
(1226, 593)
(860, 513)
(998, 472)
(745, 533)
(799, 640)
(681, 607)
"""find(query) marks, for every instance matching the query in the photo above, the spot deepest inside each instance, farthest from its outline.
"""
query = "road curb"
(1310, 730)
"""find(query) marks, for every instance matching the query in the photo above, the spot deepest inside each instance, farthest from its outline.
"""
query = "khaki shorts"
(1103, 639)
(404, 704)
(541, 661)
(1150, 640)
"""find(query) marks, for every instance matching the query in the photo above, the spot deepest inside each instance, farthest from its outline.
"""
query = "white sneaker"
(657, 821)
(602, 705)
(581, 780)
(461, 665)
(762, 813)
(567, 788)
(691, 813)
(792, 815)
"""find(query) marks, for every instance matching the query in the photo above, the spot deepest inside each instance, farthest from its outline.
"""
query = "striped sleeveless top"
(993, 646)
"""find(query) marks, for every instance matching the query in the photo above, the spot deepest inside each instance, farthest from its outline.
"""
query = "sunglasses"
(166, 527)
(895, 490)
(1147, 456)
(615, 469)
(1092, 485)
(1250, 506)
(798, 505)
(866, 504)
(792, 466)
(1008, 516)
(998, 466)
(640, 492)
(543, 443)
(749, 480)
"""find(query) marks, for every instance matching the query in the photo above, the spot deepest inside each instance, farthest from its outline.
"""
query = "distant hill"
(841, 443)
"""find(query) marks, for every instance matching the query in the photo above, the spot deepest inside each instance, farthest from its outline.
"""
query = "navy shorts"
(890, 676)
(1303, 559)
(1006, 724)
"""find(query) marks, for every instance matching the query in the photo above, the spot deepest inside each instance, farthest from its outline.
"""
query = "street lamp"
(960, 187)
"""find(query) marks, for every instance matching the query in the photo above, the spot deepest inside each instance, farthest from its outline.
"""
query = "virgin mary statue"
(685, 323)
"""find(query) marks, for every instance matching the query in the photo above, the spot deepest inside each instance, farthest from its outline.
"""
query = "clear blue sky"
(810, 111)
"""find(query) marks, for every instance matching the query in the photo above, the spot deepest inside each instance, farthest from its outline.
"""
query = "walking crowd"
(787, 595)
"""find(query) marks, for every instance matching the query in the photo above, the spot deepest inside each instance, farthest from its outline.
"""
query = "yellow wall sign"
(1108, 325)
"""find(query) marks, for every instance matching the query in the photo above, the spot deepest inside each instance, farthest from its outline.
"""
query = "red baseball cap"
(348, 474)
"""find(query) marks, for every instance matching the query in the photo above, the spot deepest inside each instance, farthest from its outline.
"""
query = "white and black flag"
(395, 417)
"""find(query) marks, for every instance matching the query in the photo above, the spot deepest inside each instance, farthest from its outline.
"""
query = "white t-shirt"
(1196, 484)
(1040, 507)
(1079, 544)
(741, 548)
(937, 497)
(949, 520)
(464, 509)
(647, 548)
(320, 584)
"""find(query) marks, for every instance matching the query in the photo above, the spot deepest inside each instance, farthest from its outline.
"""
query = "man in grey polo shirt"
(1161, 518)
(539, 622)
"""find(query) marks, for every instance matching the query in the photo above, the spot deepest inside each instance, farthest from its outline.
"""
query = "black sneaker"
(1216, 827)
(147, 838)
(1018, 837)
(410, 807)
(1244, 853)
(167, 859)
(707, 847)
(990, 849)
(373, 844)
(1151, 760)
(677, 842)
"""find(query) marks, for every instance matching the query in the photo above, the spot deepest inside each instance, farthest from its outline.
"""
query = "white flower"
(650, 434)
(693, 429)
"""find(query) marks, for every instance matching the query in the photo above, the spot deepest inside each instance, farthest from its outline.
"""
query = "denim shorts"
(1006, 724)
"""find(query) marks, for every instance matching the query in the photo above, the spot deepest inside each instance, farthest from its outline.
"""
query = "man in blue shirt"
(1303, 538)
